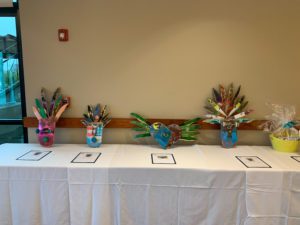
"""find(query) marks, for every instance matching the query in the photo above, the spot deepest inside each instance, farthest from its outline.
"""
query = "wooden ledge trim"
(32, 122)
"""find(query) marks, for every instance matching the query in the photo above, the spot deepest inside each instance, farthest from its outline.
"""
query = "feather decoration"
(60, 112)
(222, 92)
(217, 96)
(87, 118)
(212, 121)
(36, 113)
(103, 111)
(242, 99)
(230, 92)
(52, 106)
(40, 109)
(216, 107)
(236, 94)
(56, 92)
(235, 108)
(242, 107)
(231, 107)
(242, 114)
(95, 115)
(57, 104)
(97, 109)
(44, 100)
(49, 112)
(210, 109)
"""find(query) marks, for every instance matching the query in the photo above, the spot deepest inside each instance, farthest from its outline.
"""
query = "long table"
(207, 185)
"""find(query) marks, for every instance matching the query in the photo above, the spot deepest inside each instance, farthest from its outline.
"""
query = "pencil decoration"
(95, 120)
(228, 109)
(48, 113)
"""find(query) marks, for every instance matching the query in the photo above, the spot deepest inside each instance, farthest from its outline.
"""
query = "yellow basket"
(284, 145)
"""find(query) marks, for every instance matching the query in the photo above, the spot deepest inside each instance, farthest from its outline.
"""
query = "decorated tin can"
(94, 135)
(45, 132)
(228, 134)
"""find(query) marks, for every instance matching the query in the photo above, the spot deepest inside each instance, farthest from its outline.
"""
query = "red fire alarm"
(63, 34)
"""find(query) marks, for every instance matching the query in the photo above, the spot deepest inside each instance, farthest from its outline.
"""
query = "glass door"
(12, 99)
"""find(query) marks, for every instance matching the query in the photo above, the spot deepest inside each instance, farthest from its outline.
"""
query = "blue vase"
(94, 135)
(228, 134)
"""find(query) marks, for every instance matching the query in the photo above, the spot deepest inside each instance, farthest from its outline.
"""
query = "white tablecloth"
(206, 186)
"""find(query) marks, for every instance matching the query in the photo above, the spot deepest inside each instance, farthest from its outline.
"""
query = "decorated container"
(94, 135)
(95, 120)
(228, 134)
(283, 127)
(227, 109)
(48, 113)
(45, 132)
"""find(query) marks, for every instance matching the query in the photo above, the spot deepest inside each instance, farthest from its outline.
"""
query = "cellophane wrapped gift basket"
(281, 125)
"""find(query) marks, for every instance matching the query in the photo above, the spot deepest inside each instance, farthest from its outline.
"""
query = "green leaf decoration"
(139, 118)
(192, 127)
(142, 135)
(188, 138)
(185, 133)
(189, 122)
(139, 124)
(140, 129)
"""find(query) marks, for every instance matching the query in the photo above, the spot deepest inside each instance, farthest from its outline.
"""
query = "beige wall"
(161, 58)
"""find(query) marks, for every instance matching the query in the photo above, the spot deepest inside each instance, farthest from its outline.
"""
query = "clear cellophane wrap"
(282, 123)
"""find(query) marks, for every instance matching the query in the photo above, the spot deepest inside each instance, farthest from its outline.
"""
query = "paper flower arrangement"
(95, 120)
(281, 125)
(228, 109)
(48, 113)
(165, 135)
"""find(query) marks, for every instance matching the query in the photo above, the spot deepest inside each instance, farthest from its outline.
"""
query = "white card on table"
(297, 158)
(162, 158)
(34, 155)
(253, 162)
(86, 157)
